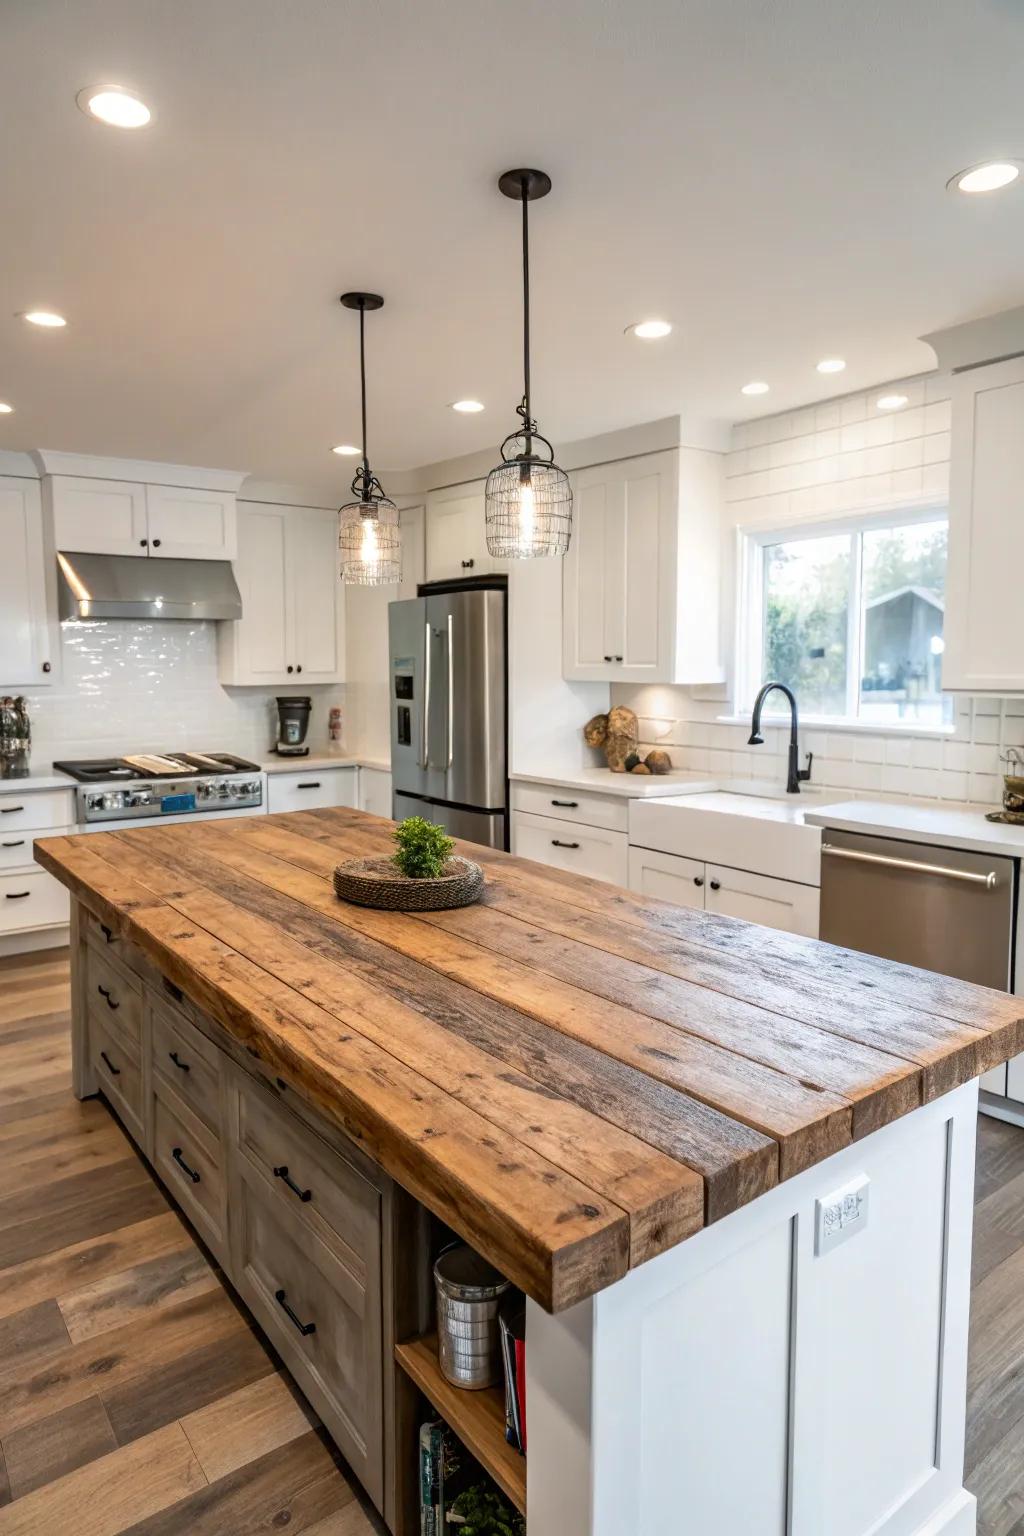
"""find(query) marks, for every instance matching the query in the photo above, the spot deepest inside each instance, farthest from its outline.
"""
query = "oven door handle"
(989, 881)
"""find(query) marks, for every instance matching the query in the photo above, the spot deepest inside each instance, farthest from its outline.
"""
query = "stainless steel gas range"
(144, 789)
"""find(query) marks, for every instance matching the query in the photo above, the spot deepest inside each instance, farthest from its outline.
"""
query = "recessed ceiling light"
(649, 330)
(47, 318)
(991, 176)
(346, 451)
(5, 409)
(891, 402)
(755, 387)
(114, 105)
(831, 365)
(467, 407)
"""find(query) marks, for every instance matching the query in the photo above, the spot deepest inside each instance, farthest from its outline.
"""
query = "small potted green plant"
(424, 874)
(423, 848)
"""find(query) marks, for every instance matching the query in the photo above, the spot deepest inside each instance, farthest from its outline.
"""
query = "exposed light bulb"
(527, 518)
(369, 549)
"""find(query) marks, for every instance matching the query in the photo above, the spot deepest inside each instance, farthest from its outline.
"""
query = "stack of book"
(513, 1353)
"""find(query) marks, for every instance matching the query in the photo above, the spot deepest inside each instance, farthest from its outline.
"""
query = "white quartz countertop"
(952, 826)
(39, 776)
(320, 761)
(635, 786)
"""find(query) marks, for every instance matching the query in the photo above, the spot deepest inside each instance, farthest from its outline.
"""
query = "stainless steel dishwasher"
(944, 909)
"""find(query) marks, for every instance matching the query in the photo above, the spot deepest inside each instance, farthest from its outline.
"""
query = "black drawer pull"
(16, 895)
(18, 842)
(609, 658)
(698, 879)
(569, 805)
(106, 997)
(467, 565)
(182, 1066)
(304, 1328)
(618, 658)
(314, 785)
(114, 1071)
(108, 933)
(10, 810)
(282, 1173)
(555, 843)
(176, 1154)
(716, 885)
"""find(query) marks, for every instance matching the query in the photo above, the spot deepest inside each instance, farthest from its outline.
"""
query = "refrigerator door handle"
(451, 693)
(425, 758)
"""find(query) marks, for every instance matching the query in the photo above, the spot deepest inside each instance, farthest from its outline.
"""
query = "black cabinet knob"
(156, 543)
(716, 885)
(291, 669)
(143, 543)
(467, 565)
(698, 879)
(299, 667)
(46, 666)
(608, 658)
(618, 658)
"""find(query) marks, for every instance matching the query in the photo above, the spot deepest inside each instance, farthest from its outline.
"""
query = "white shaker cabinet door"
(317, 596)
(25, 659)
(667, 876)
(257, 648)
(983, 635)
(99, 517)
(456, 534)
(761, 899)
(187, 524)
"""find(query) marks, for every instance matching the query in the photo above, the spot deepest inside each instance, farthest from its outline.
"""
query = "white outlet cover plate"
(841, 1215)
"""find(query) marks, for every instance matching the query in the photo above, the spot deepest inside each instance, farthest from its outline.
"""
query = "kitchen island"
(730, 1168)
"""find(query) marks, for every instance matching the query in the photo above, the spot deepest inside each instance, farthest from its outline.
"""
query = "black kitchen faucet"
(797, 775)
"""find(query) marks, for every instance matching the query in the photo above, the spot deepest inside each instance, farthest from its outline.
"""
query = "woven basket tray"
(377, 883)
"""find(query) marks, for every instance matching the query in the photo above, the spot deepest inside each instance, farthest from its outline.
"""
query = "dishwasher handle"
(989, 881)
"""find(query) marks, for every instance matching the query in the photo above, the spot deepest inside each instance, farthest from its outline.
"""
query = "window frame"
(754, 539)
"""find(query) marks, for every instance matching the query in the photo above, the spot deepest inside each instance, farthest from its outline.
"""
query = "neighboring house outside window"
(850, 616)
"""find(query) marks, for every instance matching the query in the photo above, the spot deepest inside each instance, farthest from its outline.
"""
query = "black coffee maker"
(292, 725)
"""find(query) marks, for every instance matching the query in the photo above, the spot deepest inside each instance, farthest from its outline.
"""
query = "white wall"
(834, 459)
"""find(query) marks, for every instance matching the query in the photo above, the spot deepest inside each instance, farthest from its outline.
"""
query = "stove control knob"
(203, 790)
(140, 797)
(112, 801)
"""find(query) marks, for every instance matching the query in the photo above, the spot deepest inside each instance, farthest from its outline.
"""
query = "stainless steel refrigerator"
(448, 681)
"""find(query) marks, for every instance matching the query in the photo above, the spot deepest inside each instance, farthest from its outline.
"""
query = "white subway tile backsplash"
(926, 754)
(152, 686)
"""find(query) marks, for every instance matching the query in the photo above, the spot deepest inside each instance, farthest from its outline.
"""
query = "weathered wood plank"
(50, 1448)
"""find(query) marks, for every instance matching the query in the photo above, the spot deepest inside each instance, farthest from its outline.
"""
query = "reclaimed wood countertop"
(574, 1077)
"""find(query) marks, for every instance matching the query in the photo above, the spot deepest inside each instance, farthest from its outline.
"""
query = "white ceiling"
(770, 177)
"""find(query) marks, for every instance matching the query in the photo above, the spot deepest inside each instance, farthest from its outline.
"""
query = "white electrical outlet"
(841, 1215)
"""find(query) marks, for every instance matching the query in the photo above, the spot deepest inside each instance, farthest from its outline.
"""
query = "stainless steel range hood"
(130, 587)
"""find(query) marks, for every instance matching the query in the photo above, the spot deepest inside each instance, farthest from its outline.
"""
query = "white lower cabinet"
(34, 907)
(375, 791)
(568, 845)
(312, 789)
(760, 899)
(667, 876)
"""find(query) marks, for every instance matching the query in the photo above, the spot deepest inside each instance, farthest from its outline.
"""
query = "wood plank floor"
(136, 1394)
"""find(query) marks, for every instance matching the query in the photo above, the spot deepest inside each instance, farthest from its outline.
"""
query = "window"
(851, 618)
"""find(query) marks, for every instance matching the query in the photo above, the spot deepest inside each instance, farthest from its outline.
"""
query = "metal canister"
(469, 1294)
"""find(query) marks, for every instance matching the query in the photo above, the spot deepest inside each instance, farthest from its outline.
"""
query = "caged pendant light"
(528, 502)
(368, 535)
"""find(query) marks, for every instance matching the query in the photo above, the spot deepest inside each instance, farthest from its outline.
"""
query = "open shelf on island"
(478, 1418)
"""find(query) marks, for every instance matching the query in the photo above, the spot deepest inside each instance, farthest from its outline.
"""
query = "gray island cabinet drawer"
(117, 1062)
(186, 1060)
(189, 1159)
(324, 1317)
(112, 990)
(323, 1189)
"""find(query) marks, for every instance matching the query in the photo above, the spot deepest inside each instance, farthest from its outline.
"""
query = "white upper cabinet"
(640, 591)
(456, 537)
(984, 643)
(25, 633)
(126, 517)
(186, 524)
(98, 517)
(292, 624)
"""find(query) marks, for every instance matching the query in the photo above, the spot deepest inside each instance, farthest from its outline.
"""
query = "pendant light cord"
(362, 386)
(526, 314)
